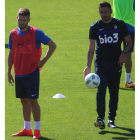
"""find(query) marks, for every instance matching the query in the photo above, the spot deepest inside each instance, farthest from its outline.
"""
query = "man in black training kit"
(108, 33)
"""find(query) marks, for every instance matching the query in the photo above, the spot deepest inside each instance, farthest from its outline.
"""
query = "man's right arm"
(90, 55)
(10, 63)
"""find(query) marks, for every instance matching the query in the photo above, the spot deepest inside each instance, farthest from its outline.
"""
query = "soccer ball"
(92, 80)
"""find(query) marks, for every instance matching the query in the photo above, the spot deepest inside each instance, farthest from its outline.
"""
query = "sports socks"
(27, 125)
(128, 77)
(37, 125)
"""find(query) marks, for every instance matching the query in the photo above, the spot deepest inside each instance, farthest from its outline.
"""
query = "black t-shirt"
(109, 37)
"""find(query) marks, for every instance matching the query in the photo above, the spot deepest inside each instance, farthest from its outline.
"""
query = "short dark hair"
(105, 4)
(24, 12)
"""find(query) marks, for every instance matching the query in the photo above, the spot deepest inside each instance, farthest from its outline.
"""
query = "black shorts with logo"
(28, 86)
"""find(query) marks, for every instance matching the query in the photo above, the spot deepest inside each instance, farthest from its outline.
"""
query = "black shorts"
(28, 86)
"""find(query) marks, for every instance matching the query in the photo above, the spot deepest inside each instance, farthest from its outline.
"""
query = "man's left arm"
(52, 47)
(128, 45)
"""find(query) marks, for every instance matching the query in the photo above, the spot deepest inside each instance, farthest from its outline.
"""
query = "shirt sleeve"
(41, 37)
(124, 29)
(92, 32)
(10, 42)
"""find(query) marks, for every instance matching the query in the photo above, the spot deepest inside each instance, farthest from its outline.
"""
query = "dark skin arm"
(90, 55)
(128, 45)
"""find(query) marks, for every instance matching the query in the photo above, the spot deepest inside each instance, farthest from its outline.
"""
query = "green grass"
(67, 23)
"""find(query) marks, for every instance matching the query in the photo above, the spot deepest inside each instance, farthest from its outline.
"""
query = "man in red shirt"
(25, 53)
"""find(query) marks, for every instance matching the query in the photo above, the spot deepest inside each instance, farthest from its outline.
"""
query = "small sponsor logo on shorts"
(33, 95)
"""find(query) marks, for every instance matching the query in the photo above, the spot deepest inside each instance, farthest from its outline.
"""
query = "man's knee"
(34, 102)
(25, 101)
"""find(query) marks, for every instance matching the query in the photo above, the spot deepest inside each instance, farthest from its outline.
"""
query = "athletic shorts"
(28, 86)
(132, 34)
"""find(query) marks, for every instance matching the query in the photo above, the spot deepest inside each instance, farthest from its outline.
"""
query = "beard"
(106, 19)
(22, 26)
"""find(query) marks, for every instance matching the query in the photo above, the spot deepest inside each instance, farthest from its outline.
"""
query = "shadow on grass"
(122, 138)
(6, 45)
(127, 136)
(130, 89)
(44, 138)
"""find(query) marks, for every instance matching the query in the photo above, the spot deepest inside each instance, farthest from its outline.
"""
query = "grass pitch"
(67, 23)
